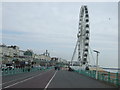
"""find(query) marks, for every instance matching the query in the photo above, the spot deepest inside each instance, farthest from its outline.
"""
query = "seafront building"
(13, 55)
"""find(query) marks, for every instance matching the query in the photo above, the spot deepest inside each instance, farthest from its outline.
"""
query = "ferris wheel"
(82, 37)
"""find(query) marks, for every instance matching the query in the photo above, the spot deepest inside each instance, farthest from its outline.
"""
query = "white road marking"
(24, 80)
(50, 81)
(16, 80)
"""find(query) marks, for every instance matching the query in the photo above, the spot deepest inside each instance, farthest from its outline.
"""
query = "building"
(8, 53)
(13, 50)
(4, 50)
(13, 55)
(21, 55)
(29, 55)
(44, 57)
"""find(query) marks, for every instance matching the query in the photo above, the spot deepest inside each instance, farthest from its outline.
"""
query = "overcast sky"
(54, 26)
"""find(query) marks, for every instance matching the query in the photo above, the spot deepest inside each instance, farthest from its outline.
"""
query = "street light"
(96, 63)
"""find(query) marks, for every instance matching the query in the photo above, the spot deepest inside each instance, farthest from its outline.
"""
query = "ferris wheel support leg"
(74, 53)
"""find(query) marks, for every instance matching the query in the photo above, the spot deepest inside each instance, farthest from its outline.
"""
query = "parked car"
(4, 67)
(10, 67)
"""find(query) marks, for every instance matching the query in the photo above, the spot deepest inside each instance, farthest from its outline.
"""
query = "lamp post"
(96, 63)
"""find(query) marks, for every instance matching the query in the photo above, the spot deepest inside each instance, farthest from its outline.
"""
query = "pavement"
(67, 79)
(52, 79)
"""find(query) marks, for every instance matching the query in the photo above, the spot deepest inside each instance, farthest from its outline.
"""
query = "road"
(52, 79)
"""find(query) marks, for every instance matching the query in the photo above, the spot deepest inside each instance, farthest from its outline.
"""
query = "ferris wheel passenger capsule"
(87, 31)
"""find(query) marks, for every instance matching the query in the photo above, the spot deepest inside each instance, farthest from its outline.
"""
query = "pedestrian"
(55, 67)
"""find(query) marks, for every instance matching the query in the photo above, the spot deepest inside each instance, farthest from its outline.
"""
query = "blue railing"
(22, 70)
(112, 78)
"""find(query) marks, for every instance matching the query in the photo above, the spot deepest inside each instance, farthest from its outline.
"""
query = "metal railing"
(22, 70)
(112, 78)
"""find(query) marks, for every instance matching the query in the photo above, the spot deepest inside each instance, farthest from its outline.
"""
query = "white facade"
(21, 53)
(36, 56)
(8, 50)
(44, 57)
(4, 50)
(13, 51)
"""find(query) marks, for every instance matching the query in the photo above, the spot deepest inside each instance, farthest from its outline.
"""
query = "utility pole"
(96, 63)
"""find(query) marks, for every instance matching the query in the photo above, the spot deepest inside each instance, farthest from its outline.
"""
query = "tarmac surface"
(52, 79)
